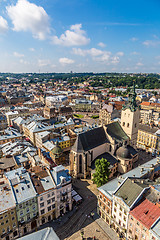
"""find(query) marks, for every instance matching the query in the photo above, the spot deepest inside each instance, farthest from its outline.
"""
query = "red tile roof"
(150, 104)
(146, 213)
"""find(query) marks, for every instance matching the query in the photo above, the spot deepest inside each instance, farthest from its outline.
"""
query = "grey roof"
(90, 139)
(44, 234)
(156, 229)
(129, 191)
(59, 173)
(20, 180)
(7, 162)
(115, 130)
(148, 129)
(7, 200)
(109, 188)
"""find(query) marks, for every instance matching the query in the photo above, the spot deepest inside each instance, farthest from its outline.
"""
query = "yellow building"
(147, 138)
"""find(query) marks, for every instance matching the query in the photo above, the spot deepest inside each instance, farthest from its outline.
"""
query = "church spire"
(132, 104)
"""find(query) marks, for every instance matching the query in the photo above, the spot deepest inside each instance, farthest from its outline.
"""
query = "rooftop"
(146, 212)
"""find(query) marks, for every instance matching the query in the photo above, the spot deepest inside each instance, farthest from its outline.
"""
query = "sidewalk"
(105, 227)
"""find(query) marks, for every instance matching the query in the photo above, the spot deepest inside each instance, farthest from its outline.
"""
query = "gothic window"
(80, 163)
(91, 156)
(127, 124)
(86, 162)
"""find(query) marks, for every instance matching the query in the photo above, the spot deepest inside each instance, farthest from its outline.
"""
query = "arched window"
(86, 162)
(80, 163)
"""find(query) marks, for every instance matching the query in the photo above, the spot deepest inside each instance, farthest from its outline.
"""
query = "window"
(20, 205)
(41, 199)
(127, 124)
(14, 225)
(1, 217)
(125, 212)
(49, 208)
(5, 215)
(130, 231)
(115, 209)
(108, 204)
(52, 193)
(53, 206)
(22, 188)
(138, 223)
(104, 200)
(123, 124)
(124, 218)
(48, 201)
(34, 214)
(33, 207)
(33, 200)
(6, 221)
(21, 213)
(53, 199)
(28, 217)
(115, 204)
(48, 195)
(2, 223)
(42, 204)
(27, 210)
(42, 211)
(26, 203)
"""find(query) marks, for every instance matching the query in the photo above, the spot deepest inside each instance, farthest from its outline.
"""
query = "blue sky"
(82, 36)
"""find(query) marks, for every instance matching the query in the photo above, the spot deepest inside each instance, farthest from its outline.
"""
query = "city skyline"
(82, 36)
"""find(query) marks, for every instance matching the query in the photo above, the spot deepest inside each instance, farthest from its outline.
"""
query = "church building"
(114, 142)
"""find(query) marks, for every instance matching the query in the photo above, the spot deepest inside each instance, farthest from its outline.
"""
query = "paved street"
(69, 227)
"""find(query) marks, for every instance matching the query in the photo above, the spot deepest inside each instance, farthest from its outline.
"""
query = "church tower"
(130, 117)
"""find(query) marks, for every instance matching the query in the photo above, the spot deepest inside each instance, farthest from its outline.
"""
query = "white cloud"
(65, 61)
(115, 60)
(3, 25)
(121, 54)
(134, 39)
(135, 53)
(95, 53)
(31, 49)
(43, 62)
(73, 37)
(151, 43)
(28, 16)
(139, 64)
(101, 44)
(19, 55)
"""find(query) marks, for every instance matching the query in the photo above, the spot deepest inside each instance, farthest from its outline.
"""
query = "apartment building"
(25, 198)
(147, 138)
(8, 217)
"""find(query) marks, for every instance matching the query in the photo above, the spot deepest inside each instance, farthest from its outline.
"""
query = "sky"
(79, 36)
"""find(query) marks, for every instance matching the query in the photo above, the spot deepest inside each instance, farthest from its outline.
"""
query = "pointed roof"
(90, 139)
(132, 105)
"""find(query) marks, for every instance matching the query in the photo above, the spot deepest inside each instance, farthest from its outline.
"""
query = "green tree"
(102, 173)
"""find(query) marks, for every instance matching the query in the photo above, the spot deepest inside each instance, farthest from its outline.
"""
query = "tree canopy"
(102, 172)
